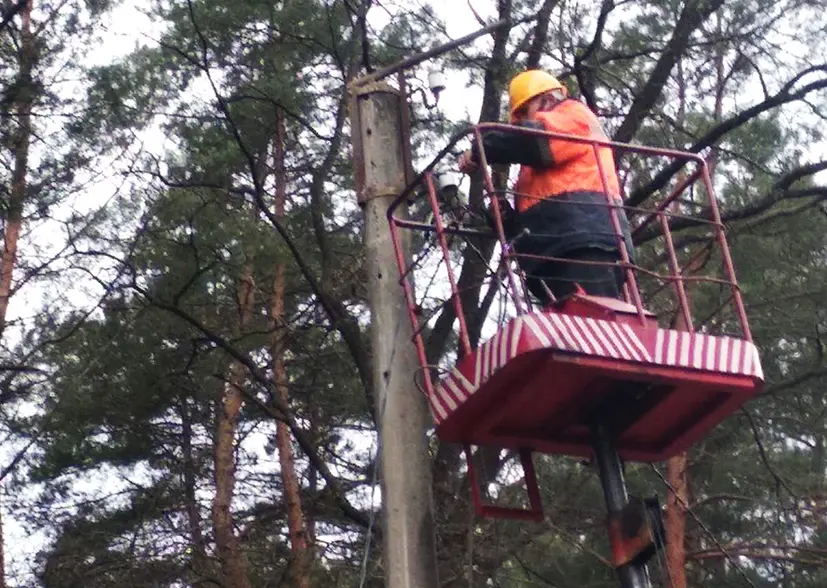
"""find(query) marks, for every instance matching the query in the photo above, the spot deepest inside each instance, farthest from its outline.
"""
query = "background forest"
(185, 373)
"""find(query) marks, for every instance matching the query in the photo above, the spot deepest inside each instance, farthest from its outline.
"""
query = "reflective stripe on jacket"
(574, 166)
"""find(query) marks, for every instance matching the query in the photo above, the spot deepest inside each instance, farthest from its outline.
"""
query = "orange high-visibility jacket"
(574, 167)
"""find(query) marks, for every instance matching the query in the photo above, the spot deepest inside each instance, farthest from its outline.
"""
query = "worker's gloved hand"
(466, 163)
(508, 216)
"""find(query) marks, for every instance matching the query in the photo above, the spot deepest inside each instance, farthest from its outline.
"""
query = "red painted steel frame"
(398, 223)
(479, 427)
(535, 510)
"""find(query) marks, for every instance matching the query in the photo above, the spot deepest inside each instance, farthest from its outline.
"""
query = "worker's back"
(574, 168)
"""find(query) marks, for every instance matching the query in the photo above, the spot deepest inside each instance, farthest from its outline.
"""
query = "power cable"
(363, 574)
(660, 540)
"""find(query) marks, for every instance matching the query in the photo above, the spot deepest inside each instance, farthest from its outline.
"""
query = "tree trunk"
(676, 500)
(692, 16)
(198, 560)
(675, 520)
(233, 564)
(720, 85)
(300, 568)
(23, 102)
(678, 495)
(290, 483)
(677, 467)
(312, 490)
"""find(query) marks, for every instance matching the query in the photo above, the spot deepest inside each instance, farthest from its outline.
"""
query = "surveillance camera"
(437, 82)
(448, 190)
(448, 182)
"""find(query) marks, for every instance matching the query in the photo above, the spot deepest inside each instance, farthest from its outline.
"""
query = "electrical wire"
(363, 574)
(660, 540)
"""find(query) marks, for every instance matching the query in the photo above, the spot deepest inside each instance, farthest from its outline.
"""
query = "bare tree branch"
(800, 173)
(694, 13)
(9, 14)
(814, 374)
(583, 69)
(540, 34)
(763, 453)
(784, 96)
(360, 12)
(279, 411)
(780, 192)
(787, 553)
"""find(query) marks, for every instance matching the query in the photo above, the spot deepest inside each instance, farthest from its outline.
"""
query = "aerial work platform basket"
(538, 382)
(654, 372)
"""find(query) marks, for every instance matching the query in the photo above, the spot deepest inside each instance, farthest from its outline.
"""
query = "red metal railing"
(655, 224)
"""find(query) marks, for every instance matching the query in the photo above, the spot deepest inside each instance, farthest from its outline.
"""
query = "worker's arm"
(516, 147)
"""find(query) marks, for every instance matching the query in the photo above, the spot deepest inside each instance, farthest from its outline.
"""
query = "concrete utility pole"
(381, 153)
(381, 160)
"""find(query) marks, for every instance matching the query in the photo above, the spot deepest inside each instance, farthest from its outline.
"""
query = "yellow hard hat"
(529, 84)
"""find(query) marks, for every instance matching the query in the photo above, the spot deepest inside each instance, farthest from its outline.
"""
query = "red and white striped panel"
(598, 338)
(587, 335)
(705, 352)
(455, 388)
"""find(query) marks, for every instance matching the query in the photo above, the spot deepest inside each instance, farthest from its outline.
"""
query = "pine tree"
(232, 268)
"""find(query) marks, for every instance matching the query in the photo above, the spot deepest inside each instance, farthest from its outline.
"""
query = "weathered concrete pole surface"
(402, 414)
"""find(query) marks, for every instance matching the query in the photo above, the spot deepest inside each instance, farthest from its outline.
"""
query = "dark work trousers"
(562, 277)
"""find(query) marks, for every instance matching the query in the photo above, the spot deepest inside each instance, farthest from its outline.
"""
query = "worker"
(562, 206)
